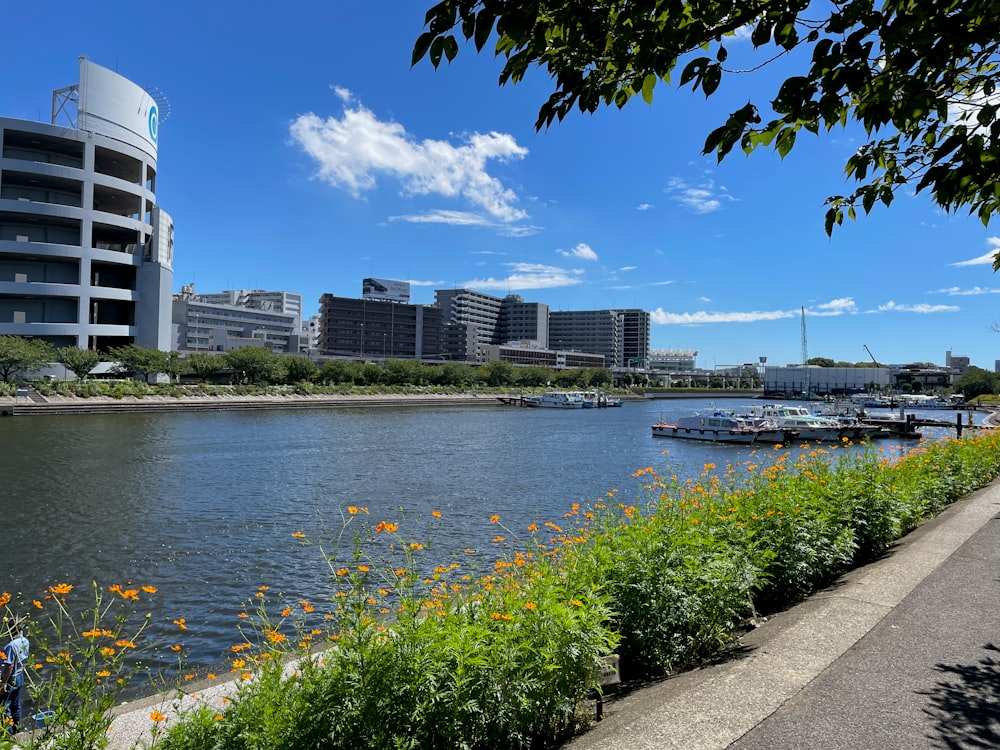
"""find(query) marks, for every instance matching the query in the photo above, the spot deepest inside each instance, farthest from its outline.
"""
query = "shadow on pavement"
(965, 704)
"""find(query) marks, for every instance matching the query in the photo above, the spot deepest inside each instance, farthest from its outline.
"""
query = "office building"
(210, 327)
(86, 252)
(288, 303)
(621, 336)
(373, 329)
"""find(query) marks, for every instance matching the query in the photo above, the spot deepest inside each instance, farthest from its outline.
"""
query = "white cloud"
(582, 251)
(985, 259)
(529, 276)
(628, 268)
(644, 207)
(660, 317)
(467, 219)
(955, 291)
(702, 199)
(842, 306)
(350, 151)
(893, 307)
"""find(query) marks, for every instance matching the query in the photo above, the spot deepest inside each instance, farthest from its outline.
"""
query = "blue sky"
(303, 153)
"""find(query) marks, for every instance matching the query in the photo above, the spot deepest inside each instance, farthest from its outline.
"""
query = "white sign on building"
(385, 289)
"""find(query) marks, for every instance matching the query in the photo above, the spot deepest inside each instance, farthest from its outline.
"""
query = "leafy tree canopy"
(79, 361)
(977, 382)
(918, 75)
(19, 355)
(258, 364)
(132, 360)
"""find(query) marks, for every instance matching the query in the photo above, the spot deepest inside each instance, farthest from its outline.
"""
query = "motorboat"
(556, 400)
(808, 426)
(720, 427)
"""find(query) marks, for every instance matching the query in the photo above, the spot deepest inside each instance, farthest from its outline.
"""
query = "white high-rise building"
(86, 252)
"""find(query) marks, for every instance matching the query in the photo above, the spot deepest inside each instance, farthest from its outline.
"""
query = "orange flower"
(149, 589)
(494, 519)
(181, 623)
(436, 513)
(61, 589)
(157, 716)
(299, 535)
(4, 598)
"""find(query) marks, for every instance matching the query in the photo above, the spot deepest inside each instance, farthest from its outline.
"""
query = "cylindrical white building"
(85, 251)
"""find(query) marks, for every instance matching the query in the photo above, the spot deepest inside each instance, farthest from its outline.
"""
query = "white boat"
(598, 400)
(868, 401)
(556, 400)
(719, 428)
(808, 426)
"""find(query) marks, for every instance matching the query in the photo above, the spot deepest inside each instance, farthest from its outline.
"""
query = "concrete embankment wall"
(62, 405)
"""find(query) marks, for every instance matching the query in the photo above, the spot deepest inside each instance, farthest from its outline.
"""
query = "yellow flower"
(494, 519)
(530, 605)
(60, 589)
(352, 509)
(103, 673)
(299, 535)
(181, 623)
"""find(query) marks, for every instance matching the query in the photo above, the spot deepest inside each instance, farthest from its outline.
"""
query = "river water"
(204, 505)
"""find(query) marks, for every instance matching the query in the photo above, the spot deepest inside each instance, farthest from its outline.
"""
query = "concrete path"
(903, 653)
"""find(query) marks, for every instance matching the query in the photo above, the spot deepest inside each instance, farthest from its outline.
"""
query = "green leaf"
(648, 84)
(421, 47)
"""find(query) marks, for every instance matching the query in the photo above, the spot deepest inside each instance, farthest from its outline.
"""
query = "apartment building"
(379, 329)
(86, 252)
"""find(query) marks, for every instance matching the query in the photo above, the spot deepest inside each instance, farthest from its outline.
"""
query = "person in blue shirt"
(15, 656)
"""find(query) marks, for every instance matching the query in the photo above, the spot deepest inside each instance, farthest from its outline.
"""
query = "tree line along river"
(204, 505)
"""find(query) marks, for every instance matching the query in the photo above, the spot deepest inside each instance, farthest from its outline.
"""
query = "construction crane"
(807, 385)
(871, 355)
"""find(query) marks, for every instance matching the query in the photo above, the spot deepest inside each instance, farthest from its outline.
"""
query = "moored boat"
(556, 400)
(808, 427)
(719, 428)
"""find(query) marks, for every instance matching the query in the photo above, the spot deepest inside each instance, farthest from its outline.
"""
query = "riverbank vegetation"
(423, 647)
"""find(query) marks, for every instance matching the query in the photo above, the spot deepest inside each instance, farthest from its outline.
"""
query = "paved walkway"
(903, 653)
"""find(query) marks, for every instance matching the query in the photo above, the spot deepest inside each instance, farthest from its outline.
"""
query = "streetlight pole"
(362, 341)
(383, 350)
